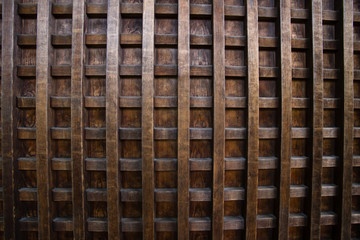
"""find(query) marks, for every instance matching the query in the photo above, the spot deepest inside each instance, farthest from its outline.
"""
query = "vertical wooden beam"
(286, 108)
(317, 118)
(42, 118)
(253, 118)
(183, 118)
(77, 124)
(7, 103)
(148, 120)
(348, 111)
(219, 120)
(112, 119)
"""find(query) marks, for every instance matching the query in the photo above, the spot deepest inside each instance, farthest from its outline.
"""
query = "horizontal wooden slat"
(61, 71)
(300, 102)
(26, 40)
(300, 73)
(330, 15)
(60, 102)
(300, 43)
(131, 8)
(165, 70)
(235, 71)
(61, 40)
(96, 194)
(26, 133)
(268, 12)
(95, 164)
(62, 224)
(95, 40)
(62, 9)
(97, 224)
(132, 70)
(27, 163)
(62, 194)
(130, 133)
(268, 42)
(235, 41)
(200, 10)
(94, 102)
(25, 102)
(28, 224)
(28, 194)
(300, 14)
(201, 71)
(63, 164)
(130, 102)
(166, 9)
(356, 189)
(95, 133)
(27, 9)
(355, 217)
(26, 71)
(96, 9)
(268, 72)
(60, 133)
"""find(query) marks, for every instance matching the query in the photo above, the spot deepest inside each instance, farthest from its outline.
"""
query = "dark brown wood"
(112, 120)
(183, 120)
(147, 121)
(286, 108)
(253, 118)
(219, 121)
(348, 113)
(42, 118)
(77, 124)
(317, 120)
(7, 102)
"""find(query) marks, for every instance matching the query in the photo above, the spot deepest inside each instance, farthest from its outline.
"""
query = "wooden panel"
(173, 119)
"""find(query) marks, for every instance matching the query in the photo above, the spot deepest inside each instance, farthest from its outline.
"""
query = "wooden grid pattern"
(180, 119)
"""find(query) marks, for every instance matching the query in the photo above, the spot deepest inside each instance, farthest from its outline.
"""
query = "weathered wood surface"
(189, 119)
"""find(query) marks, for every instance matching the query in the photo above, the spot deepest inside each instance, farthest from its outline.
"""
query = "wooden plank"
(183, 119)
(77, 121)
(112, 116)
(147, 123)
(219, 121)
(7, 115)
(253, 119)
(348, 121)
(317, 118)
(286, 114)
(42, 117)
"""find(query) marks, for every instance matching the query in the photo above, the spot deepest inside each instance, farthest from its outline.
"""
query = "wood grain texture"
(112, 119)
(147, 120)
(253, 118)
(77, 121)
(42, 118)
(317, 119)
(286, 122)
(7, 104)
(348, 122)
(219, 121)
(183, 119)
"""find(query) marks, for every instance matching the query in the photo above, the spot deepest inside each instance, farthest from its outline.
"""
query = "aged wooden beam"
(112, 119)
(348, 121)
(7, 115)
(42, 117)
(317, 119)
(147, 119)
(253, 119)
(183, 119)
(219, 121)
(77, 119)
(286, 114)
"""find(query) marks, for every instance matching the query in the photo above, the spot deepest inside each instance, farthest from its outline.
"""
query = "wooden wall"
(180, 119)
